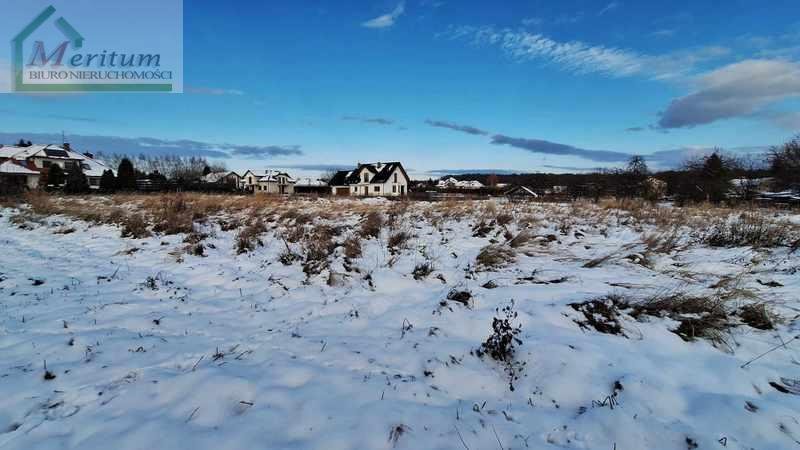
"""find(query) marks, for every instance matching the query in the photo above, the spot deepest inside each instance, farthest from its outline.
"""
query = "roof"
(46, 151)
(345, 177)
(522, 190)
(10, 167)
(340, 178)
(271, 176)
(311, 182)
(94, 168)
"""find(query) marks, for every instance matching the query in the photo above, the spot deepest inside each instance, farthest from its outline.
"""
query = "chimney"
(88, 155)
(66, 146)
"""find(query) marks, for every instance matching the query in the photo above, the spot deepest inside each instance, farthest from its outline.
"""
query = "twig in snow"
(324, 343)
(198, 362)
(407, 326)
(192, 414)
(782, 344)
(498, 438)
(461, 438)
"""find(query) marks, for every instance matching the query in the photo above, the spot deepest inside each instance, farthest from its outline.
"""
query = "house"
(275, 182)
(223, 178)
(452, 183)
(521, 193)
(267, 182)
(371, 180)
(311, 186)
(15, 176)
(40, 158)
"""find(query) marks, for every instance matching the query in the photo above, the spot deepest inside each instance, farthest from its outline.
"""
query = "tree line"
(706, 178)
(180, 170)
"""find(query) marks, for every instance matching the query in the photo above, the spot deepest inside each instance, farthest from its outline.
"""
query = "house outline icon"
(77, 42)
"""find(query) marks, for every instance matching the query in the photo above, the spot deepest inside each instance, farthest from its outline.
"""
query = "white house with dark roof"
(379, 179)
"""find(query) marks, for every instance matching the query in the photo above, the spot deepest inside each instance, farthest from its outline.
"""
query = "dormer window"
(395, 177)
(366, 178)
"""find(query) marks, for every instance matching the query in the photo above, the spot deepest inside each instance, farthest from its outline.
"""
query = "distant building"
(40, 158)
(452, 183)
(267, 182)
(371, 180)
(521, 193)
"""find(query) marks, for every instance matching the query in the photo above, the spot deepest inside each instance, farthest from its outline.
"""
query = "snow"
(12, 168)
(170, 350)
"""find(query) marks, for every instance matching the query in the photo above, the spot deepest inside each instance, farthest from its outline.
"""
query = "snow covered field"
(301, 331)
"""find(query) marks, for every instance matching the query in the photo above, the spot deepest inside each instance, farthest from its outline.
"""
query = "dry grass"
(749, 230)
(250, 236)
(372, 225)
(495, 256)
(352, 247)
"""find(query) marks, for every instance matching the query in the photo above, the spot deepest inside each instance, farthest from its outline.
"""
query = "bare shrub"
(422, 270)
(502, 344)
(173, 215)
(372, 225)
(397, 241)
(319, 246)
(495, 256)
(249, 237)
(352, 247)
(134, 226)
(748, 229)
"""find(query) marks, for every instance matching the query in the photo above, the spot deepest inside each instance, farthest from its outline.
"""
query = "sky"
(448, 86)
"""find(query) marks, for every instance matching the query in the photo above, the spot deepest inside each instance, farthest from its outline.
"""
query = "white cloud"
(609, 7)
(581, 58)
(532, 21)
(741, 89)
(386, 20)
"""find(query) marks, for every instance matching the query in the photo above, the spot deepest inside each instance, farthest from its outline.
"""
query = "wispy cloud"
(53, 116)
(454, 126)
(634, 129)
(155, 146)
(386, 20)
(741, 89)
(201, 90)
(609, 7)
(581, 58)
(372, 120)
(553, 148)
(664, 33)
(532, 21)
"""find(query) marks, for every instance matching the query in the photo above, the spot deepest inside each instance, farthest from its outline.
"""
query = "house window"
(394, 189)
(377, 189)
(46, 163)
(366, 178)
(395, 177)
(94, 181)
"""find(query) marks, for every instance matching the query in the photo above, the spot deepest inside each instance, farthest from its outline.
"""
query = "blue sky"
(452, 85)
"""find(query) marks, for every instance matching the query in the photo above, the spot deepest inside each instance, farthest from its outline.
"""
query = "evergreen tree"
(108, 182)
(55, 175)
(76, 182)
(715, 178)
(206, 170)
(126, 175)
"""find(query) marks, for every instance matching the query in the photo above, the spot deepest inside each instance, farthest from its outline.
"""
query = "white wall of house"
(395, 186)
(273, 187)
